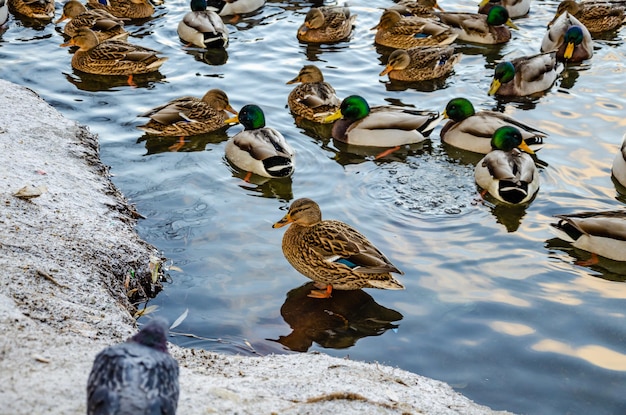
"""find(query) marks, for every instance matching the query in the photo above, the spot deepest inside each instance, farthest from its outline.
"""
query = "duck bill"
(63, 17)
(444, 115)
(569, 51)
(385, 71)
(332, 117)
(286, 220)
(483, 3)
(294, 80)
(512, 25)
(230, 109)
(495, 85)
(68, 43)
(524, 147)
(233, 120)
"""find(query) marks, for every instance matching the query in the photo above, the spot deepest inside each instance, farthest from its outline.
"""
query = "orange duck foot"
(387, 152)
(180, 144)
(591, 261)
(322, 293)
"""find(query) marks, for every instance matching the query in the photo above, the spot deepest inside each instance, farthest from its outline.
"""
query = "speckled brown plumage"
(187, 116)
(333, 253)
(313, 99)
(111, 57)
(104, 24)
(396, 31)
(131, 9)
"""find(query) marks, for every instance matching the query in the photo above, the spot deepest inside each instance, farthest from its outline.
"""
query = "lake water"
(493, 305)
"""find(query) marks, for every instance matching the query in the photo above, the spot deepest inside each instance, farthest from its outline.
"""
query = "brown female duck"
(187, 116)
(313, 99)
(104, 24)
(332, 253)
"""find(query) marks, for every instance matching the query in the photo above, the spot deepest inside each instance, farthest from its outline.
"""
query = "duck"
(234, 7)
(4, 12)
(420, 8)
(507, 173)
(259, 149)
(421, 63)
(516, 8)
(33, 9)
(332, 253)
(313, 99)
(472, 131)
(104, 24)
(327, 24)
(130, 9)
(111, 57)
(359, 124)
(203, 28)
(601, 233)
(525, 75)
(570, 38)
(490, 29)
(399, 32)
(618, 169)
(189, 115)
(597, 17)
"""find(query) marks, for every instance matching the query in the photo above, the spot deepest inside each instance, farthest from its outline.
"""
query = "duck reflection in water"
(336, 322)
(96, 83)
(601, 267)
(256, 185)
(163, 144)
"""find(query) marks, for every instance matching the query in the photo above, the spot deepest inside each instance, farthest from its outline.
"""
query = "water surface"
(493, 305)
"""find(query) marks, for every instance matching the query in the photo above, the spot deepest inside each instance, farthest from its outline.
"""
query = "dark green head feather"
(354, 108)
(505, 72)
(251, 117)
(497, 16)
(459, 109)
(506, 138)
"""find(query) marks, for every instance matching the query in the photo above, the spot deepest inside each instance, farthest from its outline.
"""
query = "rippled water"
(493, 305)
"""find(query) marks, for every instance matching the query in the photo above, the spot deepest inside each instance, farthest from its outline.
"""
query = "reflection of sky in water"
(493, 303)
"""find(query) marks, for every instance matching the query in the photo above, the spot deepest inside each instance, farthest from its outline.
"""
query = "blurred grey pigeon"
(136, 377)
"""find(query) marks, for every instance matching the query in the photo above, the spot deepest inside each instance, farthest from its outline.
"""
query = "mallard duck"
(234, 7)
(421, 63)
(131, 9)
(506, 172)
(570, 38)
(333, 254)
(516, 8)
(421, 8)
(104, 24)
(381, 126)
(111, 57)
(326, 24)
(525, 75)
(187, 116)
(487, 29)
(472, 131)
(395, 31)
(259, 149)
(34, 9)
(203, 28)
(601, 233)
(313, 99)
(619, 165)
(4, 12)
(597, 17)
